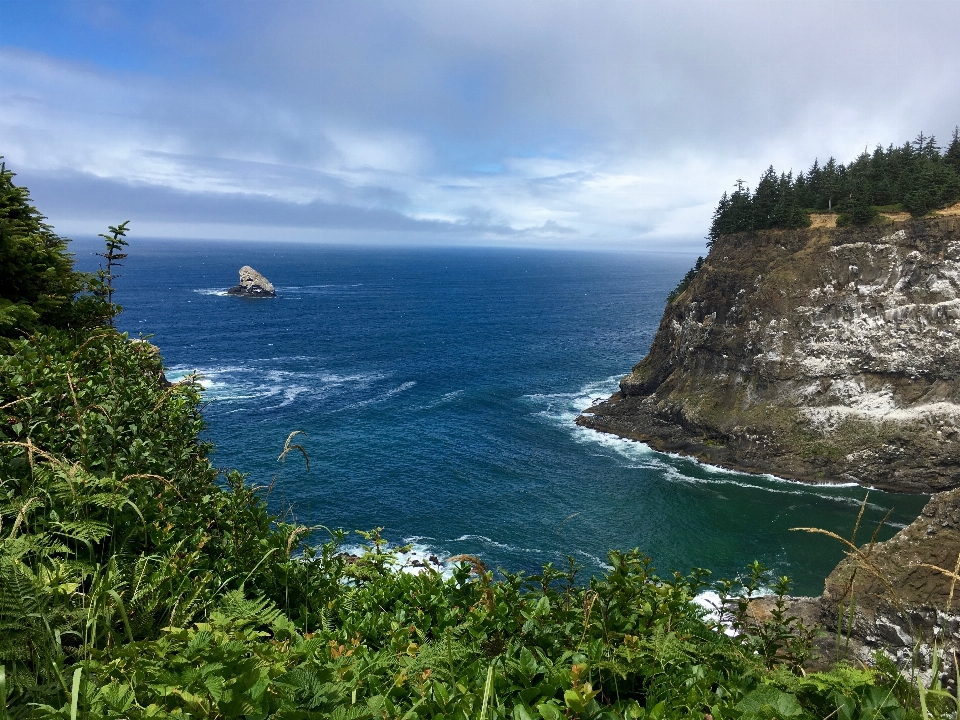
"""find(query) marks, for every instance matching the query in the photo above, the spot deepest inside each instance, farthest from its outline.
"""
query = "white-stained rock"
(252, 284)
(848, 341)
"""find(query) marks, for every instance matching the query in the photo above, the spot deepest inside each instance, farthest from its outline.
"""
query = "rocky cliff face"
(829, 355)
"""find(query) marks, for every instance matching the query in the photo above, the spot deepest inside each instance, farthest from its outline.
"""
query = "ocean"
(437, 391)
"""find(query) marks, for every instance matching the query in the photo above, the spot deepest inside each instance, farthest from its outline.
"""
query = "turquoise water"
(438, 389)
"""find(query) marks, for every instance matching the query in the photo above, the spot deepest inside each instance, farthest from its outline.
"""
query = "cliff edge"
(821, 354)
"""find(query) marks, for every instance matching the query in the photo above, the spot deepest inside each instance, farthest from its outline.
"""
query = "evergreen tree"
(38, 285)
(115, 243)
(952, 156)
(915, 176)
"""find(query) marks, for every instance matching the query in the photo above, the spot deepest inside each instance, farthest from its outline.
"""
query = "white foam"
(265, 383)
(594, 559)
(442, 400)
(419, 558)
(219, 292)
(483, 539)
(709, 600)
(380, 397)
(562, 409)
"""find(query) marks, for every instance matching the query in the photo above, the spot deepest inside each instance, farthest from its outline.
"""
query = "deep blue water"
(438, 389)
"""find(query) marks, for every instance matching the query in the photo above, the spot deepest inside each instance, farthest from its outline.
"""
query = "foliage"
(115, 242)
(916, 176)
(38, 285)
(173, 592)
(685, 282)
(138, 581)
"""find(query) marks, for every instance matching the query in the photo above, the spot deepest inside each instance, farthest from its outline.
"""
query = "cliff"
(822, 354)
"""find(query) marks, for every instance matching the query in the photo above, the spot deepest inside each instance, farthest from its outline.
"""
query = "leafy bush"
(137, 582)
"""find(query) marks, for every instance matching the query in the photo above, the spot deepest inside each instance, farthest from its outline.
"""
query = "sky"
(609, 124)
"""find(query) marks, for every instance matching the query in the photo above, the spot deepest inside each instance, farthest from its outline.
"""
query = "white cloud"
(609, 124)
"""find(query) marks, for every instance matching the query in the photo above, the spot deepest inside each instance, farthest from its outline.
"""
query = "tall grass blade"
(488, 688)
(75, 693)
(3, 692)
(123, 613)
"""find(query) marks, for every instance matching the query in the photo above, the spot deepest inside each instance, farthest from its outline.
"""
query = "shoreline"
(627, 417)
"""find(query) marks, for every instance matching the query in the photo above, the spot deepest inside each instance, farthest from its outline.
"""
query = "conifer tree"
(915, 176)
(38, 285)
(115, 242)
(952, 155)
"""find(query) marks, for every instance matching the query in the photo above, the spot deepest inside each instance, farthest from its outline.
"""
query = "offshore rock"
(252, 284)
(821, 354)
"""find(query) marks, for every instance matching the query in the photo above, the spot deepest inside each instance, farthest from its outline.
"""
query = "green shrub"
(685, 281)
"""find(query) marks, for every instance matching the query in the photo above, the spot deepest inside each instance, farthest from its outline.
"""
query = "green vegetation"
(138, 581)
(916, 177)
(685, 282)
(38, 286)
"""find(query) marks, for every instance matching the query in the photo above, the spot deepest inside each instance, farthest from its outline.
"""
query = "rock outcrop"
(900, 605)
(825, 355)
(252, 284)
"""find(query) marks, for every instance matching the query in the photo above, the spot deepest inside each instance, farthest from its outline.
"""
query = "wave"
(442, 400)
(274, 388)
(483, 539)
(287, 289)
(562, 410)
(379, 398)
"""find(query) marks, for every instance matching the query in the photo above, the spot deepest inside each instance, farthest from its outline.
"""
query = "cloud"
(562, 124)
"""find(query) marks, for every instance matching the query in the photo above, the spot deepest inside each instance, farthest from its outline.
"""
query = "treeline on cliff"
(139, 581)
(916, 177)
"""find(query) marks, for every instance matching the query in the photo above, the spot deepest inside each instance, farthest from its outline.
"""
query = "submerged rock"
(823, 355)
(252, 284)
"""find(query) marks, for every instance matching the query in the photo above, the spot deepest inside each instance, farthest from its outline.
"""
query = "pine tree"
(38, 285)
(952, 156)
(115, 242)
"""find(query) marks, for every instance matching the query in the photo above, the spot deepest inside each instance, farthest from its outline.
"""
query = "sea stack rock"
(252, 284)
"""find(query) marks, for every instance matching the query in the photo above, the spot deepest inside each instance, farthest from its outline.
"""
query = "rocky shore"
(889, 597)
(822, 355)
(827, 355)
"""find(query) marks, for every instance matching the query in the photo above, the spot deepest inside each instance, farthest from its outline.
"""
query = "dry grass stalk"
(22, 515)
(300, 530)
(282, 459)
(954, 575)
(863, 560)
(480, 569)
